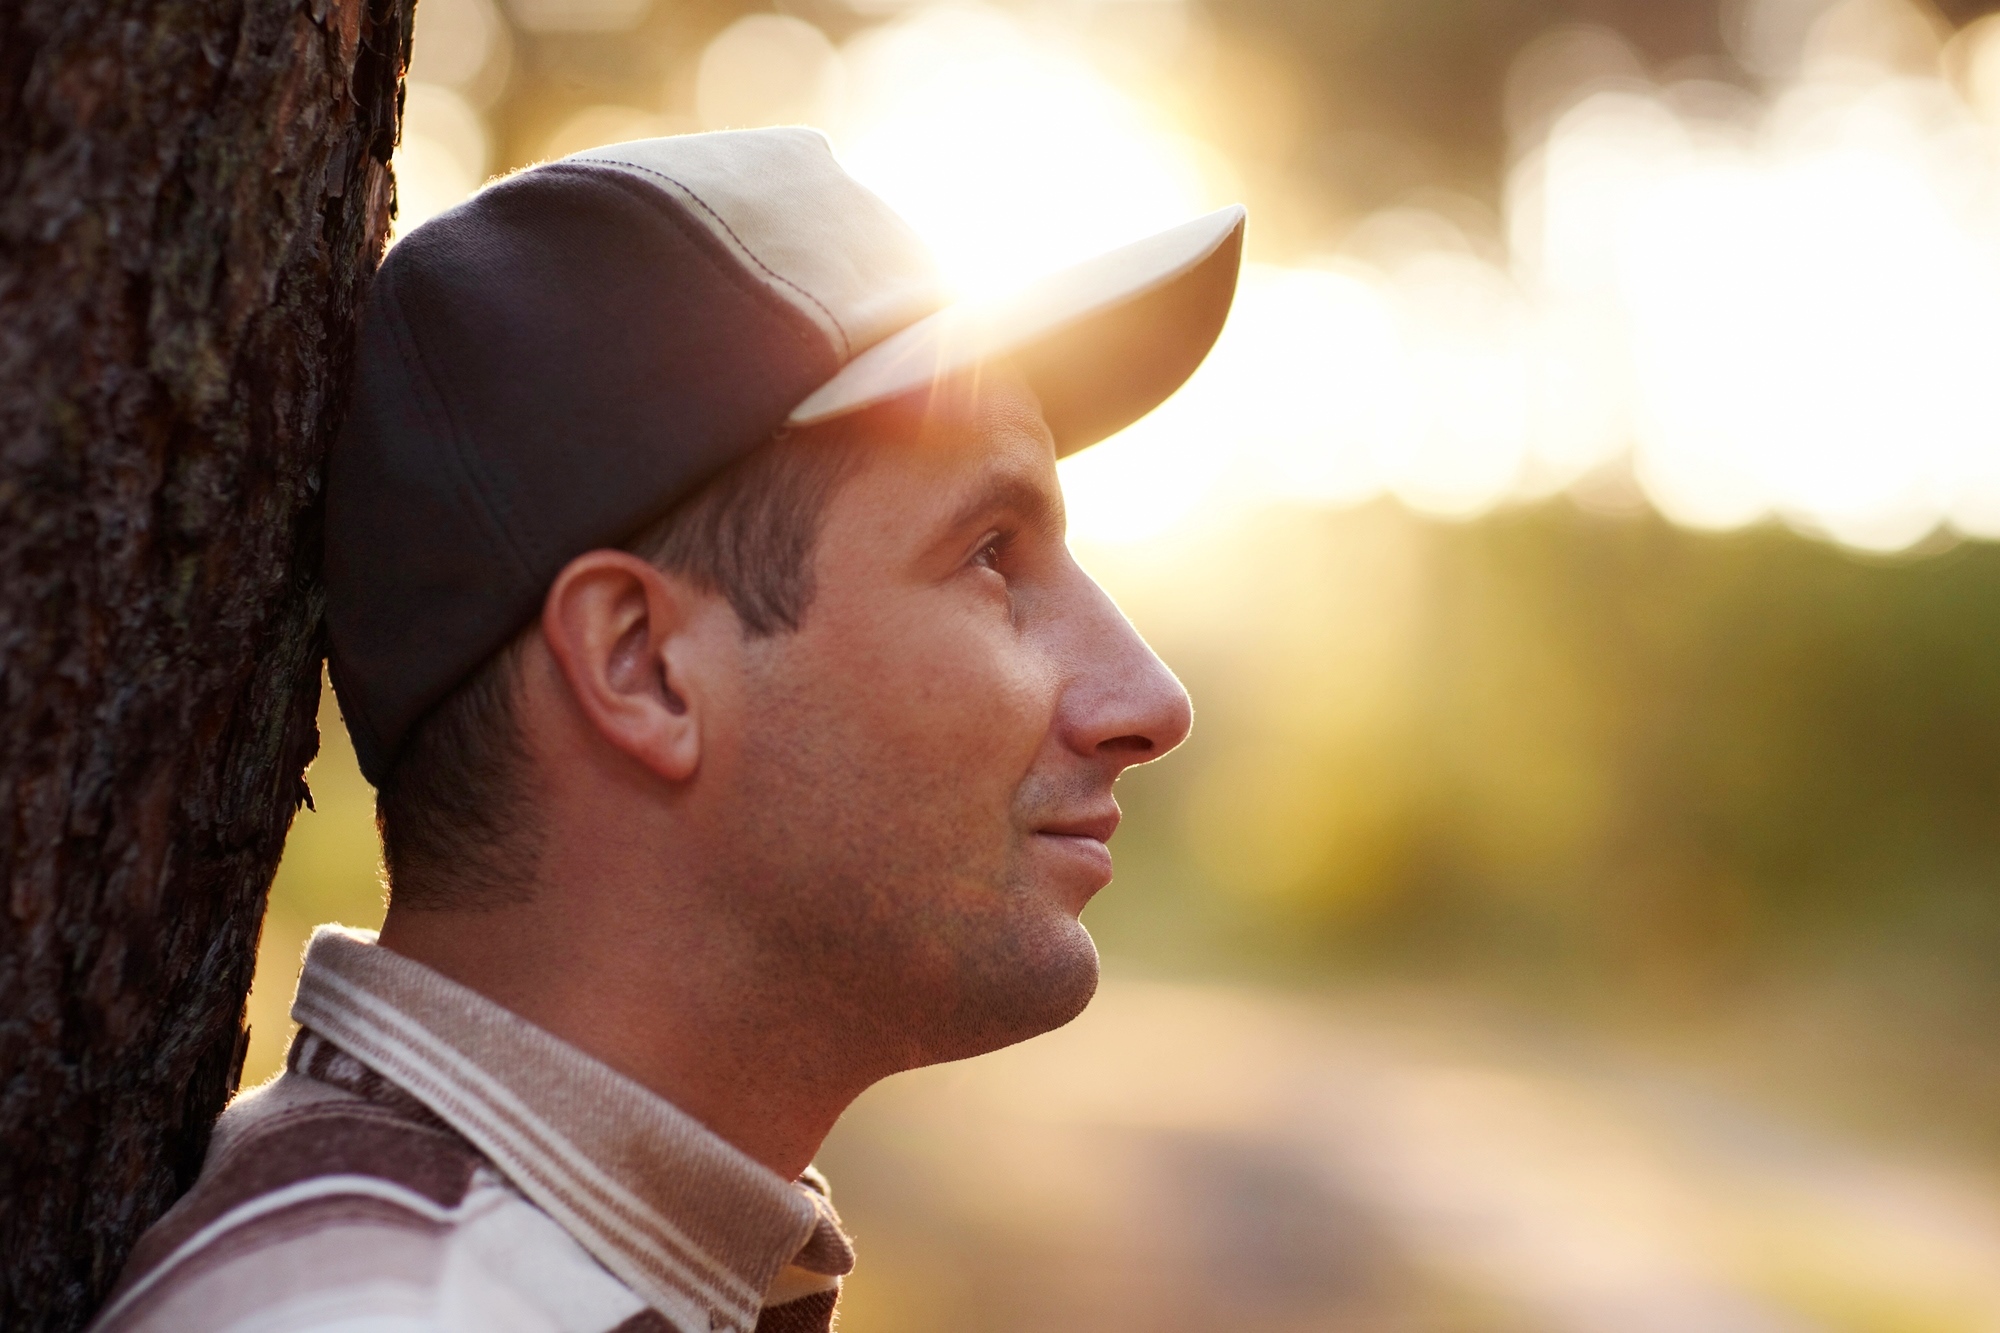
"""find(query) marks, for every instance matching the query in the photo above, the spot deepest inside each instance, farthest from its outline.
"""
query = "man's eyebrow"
(1009, 490)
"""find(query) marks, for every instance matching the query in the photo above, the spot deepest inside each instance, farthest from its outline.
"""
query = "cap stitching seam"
(809, 335)
(846, 343)
(481, 484)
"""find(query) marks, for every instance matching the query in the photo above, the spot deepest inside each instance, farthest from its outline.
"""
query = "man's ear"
(626, 637)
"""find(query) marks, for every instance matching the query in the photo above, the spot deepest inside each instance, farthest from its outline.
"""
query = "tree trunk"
(193, 195)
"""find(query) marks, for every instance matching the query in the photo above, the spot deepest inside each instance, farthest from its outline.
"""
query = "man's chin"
(1040, 980)
(1071, 979)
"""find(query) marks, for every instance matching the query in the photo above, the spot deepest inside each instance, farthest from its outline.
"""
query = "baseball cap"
(548, 367)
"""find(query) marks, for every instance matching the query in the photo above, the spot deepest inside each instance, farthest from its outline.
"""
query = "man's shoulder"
(331, 1201)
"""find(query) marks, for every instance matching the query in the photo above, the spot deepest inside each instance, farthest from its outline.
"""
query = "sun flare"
(1749, 306)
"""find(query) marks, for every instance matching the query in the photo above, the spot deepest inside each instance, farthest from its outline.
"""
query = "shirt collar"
(681, 1216)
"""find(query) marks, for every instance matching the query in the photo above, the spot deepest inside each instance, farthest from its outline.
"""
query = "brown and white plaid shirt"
(430, 1163)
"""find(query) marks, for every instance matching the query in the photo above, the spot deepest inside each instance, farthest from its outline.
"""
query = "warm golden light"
(1012, 156)
(1787, 307)
(1777, 309)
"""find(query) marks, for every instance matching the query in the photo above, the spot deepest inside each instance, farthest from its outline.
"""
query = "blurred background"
(1578, 907)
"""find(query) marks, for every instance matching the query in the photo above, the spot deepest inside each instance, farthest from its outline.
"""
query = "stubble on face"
(895, 765)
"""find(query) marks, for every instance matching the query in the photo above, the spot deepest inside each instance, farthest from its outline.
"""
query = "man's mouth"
(1097, 826)
(1080, 840)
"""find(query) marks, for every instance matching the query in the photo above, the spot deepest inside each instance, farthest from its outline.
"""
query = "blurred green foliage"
(1576, 755)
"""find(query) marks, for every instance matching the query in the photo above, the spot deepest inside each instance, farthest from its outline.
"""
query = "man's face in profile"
(924, 768)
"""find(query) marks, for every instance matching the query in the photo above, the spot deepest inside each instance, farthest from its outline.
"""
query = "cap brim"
(1101, 344)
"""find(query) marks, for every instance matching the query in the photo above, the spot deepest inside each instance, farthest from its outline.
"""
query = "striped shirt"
(430, 1163)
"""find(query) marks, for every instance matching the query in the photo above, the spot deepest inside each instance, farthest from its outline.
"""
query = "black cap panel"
(542, 370)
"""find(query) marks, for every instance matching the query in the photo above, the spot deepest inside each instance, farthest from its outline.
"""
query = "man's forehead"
(931, 463)
(991, 404)
(962, 428)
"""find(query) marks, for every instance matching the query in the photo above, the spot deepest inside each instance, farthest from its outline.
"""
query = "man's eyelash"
(995, 545)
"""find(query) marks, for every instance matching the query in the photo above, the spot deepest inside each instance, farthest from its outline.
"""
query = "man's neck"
(692, 1024)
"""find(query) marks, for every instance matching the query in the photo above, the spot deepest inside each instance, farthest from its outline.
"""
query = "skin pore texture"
(774, 870)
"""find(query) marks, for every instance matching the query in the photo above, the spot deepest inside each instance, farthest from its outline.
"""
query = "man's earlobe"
(624, 638)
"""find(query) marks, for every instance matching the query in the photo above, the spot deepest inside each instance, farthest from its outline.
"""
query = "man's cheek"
(974, 691)
(999, 727)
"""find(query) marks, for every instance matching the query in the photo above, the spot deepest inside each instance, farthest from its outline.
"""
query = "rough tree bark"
(193, 194)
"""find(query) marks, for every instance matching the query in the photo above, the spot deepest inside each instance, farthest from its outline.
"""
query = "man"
(743, 733)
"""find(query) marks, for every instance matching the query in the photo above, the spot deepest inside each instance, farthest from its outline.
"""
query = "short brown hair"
(457, 827)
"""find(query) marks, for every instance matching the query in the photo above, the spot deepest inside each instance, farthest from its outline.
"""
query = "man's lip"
(1098, 827)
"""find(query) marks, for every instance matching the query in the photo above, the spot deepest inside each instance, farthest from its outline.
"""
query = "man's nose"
(1124, 706)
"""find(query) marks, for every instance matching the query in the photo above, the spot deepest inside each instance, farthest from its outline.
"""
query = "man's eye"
(989, 552)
